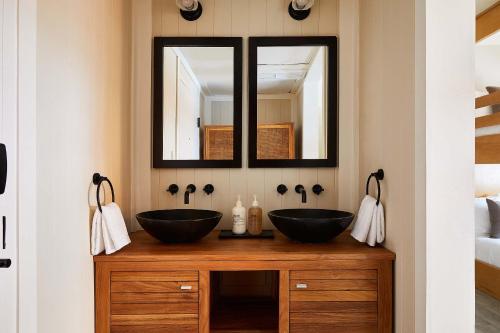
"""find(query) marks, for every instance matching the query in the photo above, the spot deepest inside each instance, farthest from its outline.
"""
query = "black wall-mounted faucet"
(317, 189)
(301, 190)
(173, 189)
(282, 189)
(189, 189)
(209, 189)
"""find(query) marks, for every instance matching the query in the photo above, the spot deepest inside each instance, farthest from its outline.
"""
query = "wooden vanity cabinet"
(339, 287)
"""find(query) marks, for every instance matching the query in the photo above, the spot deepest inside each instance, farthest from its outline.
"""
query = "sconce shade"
(300, 9)
(191, 10)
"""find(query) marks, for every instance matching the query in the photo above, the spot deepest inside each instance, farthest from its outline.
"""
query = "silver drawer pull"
(186, 287)
(301, 285)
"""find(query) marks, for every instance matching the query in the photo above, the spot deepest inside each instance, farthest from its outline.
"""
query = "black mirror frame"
(157, 120)
(332, 101)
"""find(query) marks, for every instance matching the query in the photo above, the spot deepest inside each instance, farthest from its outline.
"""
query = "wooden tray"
(228, 234)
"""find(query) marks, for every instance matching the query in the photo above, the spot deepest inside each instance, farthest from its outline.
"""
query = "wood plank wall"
(246, 18)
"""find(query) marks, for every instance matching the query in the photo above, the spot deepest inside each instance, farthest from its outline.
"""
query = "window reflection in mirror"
(292, 104)
(198, 103)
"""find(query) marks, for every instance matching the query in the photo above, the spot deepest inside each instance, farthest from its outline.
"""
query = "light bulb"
(187, 5)
(302, 4)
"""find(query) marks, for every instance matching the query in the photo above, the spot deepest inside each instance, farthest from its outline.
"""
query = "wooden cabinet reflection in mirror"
(275, 141)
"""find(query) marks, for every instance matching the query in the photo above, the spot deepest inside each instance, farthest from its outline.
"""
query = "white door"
(8, 137)
(188, 111)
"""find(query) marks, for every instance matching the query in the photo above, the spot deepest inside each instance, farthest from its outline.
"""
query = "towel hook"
(379, 175)
(97, 179)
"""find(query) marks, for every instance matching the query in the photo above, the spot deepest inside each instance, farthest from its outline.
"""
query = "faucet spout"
(189, 189)
(302, 191)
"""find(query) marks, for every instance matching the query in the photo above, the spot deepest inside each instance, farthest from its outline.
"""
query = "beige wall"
(247, 18)
(387, 134)
(83, 126)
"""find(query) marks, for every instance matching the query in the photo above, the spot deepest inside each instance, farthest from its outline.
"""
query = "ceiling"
(482, 5)
(213, 67)
(282, 69)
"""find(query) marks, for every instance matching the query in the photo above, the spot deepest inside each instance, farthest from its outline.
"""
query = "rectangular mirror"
(293, 102)
(197, 102)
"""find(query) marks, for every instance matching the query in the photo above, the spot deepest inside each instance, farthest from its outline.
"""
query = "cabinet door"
(154, 302)
(333, 301)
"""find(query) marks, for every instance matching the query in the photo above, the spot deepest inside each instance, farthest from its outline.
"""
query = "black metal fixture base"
(192, 15)
(298, 15)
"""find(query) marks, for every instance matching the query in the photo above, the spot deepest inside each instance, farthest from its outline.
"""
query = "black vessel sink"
(179, 225)
(311, 225)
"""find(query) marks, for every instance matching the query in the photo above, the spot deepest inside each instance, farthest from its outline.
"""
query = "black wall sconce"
(191, 10)
(300, 9)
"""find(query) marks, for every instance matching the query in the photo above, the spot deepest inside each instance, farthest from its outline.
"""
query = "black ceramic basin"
(179, 225)
(311, 225)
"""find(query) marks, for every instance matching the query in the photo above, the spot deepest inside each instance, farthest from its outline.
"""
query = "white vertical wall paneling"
(170, 18)
(347, 175)
(308, 178)
(328, 17)
(222, 17)
(291, 27)
(310, 27)
(258, 18)
(205, 28)
(249, 18)
(143, 184)
(166, 199)
(276, 10)
(272, 199)
(205, 23)
(290, 179)
(157, 28)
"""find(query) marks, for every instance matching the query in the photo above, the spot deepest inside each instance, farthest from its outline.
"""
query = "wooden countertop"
(146, 248)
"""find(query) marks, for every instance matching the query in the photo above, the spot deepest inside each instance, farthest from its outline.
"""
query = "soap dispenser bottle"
(255, 218)
(239, 222)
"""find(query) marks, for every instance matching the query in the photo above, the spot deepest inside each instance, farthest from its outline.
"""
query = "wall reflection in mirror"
(198, 90)
(292, 105)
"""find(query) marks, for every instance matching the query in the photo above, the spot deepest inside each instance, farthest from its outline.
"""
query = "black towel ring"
(379, 175)
(97, 179)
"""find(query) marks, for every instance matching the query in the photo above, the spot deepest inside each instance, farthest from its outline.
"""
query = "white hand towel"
(97, 242)
(108, 230)
(379, 212)
(364, 219)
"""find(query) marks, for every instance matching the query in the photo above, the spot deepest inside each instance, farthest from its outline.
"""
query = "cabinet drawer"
(336, 274)
(155, 319)
(155, 329)
(154, 302)
(154, 286)
(153, 297)
(333, 301)
(155, 276)
(333, 322)
(318, 285)
(333, 296)
(154, 308)
(333, 307)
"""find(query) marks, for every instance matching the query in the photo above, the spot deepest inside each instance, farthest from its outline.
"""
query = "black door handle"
(3, 167)
(5, 263)
(4, 232)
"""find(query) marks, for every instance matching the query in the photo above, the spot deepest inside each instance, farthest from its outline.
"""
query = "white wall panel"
(251, 18)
